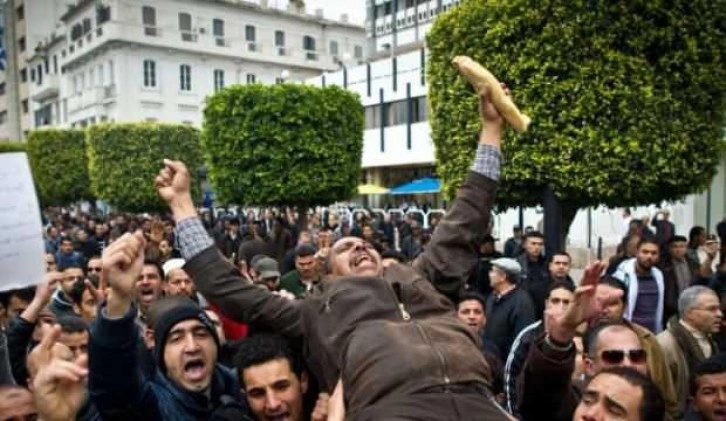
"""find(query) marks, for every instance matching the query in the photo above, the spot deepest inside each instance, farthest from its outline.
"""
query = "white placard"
(21, 232)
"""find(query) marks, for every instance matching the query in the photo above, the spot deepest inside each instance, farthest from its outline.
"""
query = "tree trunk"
(568, 215)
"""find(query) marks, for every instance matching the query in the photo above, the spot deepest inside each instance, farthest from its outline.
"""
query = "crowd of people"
(274, 317)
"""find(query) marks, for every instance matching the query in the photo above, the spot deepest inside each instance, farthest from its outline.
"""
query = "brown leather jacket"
(387, 338)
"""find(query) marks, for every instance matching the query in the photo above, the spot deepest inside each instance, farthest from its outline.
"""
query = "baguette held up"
(484, 82)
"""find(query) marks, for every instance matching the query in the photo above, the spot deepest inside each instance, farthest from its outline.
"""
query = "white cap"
(172, 264)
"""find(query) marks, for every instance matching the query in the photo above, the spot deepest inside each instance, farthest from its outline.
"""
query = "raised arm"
(115, 384)
(453, 250)
(215, 277)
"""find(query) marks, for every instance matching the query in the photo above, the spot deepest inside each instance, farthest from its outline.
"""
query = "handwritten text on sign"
(21, 231)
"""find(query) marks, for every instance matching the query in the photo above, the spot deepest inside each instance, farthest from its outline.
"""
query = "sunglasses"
(616, 356)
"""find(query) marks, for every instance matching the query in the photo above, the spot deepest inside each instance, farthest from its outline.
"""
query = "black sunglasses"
(616, 356)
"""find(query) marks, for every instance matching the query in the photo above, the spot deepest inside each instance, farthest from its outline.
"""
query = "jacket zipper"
(407, 317)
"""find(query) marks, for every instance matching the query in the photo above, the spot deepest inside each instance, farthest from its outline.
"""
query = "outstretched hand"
(60, 385)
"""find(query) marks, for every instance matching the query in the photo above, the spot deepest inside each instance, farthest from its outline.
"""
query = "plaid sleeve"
(191, 237)
(487, 161)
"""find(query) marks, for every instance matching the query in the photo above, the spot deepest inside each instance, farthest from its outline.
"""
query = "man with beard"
(646, 287)
(396, 326)
(176, 281)
(188, 384)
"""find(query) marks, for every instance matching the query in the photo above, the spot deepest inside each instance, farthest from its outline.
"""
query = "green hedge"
(124, 159)
(627, 96)
(283, 144)
(10, 146)
(60, 166)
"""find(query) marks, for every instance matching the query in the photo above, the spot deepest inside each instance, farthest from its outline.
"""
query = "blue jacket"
(119, 390)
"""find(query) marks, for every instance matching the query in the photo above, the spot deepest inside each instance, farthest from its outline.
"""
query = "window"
(86, 25)
(148, 15)
(279, 39)
(39, 73)
(251, 78)
(25, 106)
(23, 75)
(99, 72)
(218, 31)
(20, 12)
(279, 80)
(2, 88)
(419, 109)
(218, 79)
(185, 77)
(46, 64)
(309, 47)
(334, 48)
(76, 32)
(149, 74)
(55, 65)
(185, 26)
(21, 44)
(250, 33)
(308, 43)
(103, 14)
(3, 117)
(32, 74)
(91, 78)
(64, 106)
(358, 51)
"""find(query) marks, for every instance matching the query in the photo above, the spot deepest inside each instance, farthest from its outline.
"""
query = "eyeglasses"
(90, 269)
(616, 356)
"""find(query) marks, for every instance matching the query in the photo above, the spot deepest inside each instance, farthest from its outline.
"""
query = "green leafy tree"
(627, 97)
(60, 166)
(124, 159)
(283, 144)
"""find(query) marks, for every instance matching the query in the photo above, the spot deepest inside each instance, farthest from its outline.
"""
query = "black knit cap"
(168, 319)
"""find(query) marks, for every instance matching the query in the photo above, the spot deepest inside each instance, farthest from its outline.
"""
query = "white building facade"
(157, 60)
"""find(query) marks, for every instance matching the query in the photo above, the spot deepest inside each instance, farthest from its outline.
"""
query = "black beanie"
(169, 319)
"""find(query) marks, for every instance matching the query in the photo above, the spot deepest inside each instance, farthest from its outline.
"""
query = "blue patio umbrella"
(424, 185)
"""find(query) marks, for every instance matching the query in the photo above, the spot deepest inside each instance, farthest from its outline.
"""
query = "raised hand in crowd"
(122, 264)
(60, 385)
(172, 183)
(43, 293)
(585, 307)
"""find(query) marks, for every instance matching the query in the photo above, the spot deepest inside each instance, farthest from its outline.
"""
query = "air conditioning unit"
(311, 55)
(281, 51)
(251, 46)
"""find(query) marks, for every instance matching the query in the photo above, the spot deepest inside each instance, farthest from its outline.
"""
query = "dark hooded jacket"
(120, 391)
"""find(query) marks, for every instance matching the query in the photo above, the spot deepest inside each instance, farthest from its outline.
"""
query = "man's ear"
(304, 382)
(589, 366)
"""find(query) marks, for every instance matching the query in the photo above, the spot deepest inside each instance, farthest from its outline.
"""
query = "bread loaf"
(485, 83)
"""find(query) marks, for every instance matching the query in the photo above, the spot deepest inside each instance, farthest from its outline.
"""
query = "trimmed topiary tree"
(283, 144)
(60, 166)
(10, 146)
(627, 97)
(124, 159)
